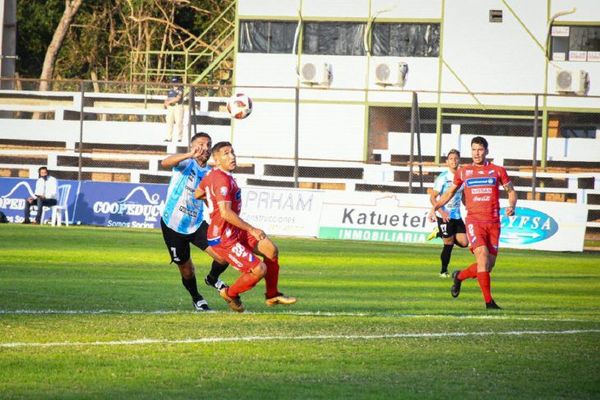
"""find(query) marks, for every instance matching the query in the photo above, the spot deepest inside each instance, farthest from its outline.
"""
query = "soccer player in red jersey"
(481, 181)
(234, 239)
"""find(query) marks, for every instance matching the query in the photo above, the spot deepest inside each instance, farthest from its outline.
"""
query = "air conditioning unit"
(391, 74)
(316, 73)
(577, 82)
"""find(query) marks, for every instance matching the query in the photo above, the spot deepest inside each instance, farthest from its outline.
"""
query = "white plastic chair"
(61, 206)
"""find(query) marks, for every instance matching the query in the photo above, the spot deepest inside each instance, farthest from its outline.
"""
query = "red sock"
(272, 277)
(485, 285)
(244, 283)
(468, 273)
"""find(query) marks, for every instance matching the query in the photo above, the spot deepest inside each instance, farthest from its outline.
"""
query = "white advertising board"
(286, 212)
(401, 218)
(378, 217)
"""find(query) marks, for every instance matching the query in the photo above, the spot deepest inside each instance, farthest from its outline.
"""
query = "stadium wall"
(476, 56)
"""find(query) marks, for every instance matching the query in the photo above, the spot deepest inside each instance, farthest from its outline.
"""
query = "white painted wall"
(494, 57)
(488, 57)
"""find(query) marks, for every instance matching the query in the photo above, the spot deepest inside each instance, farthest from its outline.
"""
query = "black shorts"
(451, 228)
(178, 244)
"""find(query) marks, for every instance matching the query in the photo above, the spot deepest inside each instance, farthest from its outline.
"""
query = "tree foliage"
(107, 38)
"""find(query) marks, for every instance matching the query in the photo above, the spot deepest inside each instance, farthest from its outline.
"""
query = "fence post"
(296, 135)
(82, 101)
(191, 115)
(534, 162)
(418, 133)
(415, 127)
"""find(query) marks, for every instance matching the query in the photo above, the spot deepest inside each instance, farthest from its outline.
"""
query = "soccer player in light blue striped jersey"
(183, 220)
(451, 227)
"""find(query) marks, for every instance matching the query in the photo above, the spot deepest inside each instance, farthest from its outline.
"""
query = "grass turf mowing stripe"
(307, 337)
(292, 313)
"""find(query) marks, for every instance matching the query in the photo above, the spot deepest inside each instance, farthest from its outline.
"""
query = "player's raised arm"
(174, 159)
(230, 216)
(512, 199)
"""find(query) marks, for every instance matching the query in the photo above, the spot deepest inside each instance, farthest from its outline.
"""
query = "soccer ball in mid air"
(239, 106)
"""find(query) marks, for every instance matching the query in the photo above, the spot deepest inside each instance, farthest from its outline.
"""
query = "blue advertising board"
(127, 205)
(15, 191)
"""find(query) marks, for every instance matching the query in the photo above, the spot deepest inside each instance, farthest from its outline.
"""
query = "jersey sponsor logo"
(223, 190)
(481, 198)
(526, 226)
(485, 190)
(481, 182)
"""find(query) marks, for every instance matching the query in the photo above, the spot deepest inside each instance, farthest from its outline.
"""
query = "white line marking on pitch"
(293, 313)
(306, 337)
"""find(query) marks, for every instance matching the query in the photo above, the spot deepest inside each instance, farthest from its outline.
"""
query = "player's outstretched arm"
(442, 201)
(512, 199)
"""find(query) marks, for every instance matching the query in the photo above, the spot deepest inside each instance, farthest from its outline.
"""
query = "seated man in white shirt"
(44, 195)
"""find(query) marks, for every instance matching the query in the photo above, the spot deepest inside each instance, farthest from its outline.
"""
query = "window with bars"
(334, 38)
(273, 37)
(406, 39)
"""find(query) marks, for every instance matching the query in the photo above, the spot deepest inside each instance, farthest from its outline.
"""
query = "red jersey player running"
(481, 181)
(234, 239)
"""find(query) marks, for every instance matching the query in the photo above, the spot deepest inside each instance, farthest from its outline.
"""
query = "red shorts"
(484, 234)
(238, 251)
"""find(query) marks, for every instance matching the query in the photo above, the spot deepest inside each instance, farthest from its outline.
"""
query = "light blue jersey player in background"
(182, 220)
(451, 227)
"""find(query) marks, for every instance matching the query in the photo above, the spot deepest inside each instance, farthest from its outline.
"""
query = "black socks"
(445, 257)
(216, 270)
(192, 287)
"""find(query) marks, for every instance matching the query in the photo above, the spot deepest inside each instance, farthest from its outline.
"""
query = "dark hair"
(41, 168)
(453, 151)
(480, 140)
(219, 146)
(201, 134)
(175, 79)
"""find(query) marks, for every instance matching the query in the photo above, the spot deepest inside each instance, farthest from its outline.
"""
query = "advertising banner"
(15, 191)
(128, 205)
(402, 218)
(286, 212)
(381, 217)
(376, 217)
(544, 225)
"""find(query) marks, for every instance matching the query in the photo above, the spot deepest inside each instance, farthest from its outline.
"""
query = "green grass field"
(92, 313)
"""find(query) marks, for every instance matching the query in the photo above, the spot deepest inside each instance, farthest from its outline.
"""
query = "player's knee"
(260, 270)
(275, 251)
(186, 269)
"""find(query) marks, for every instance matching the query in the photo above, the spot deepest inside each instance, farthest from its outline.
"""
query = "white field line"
(294, 313)
(293, 338)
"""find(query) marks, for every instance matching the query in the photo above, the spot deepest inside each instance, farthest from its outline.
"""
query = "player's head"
(224, 156)
(479, 149)
(175, 80)
(201, 142)
(42, 172)
(453, 159)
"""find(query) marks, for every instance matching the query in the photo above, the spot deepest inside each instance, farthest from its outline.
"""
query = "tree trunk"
(71, 7)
